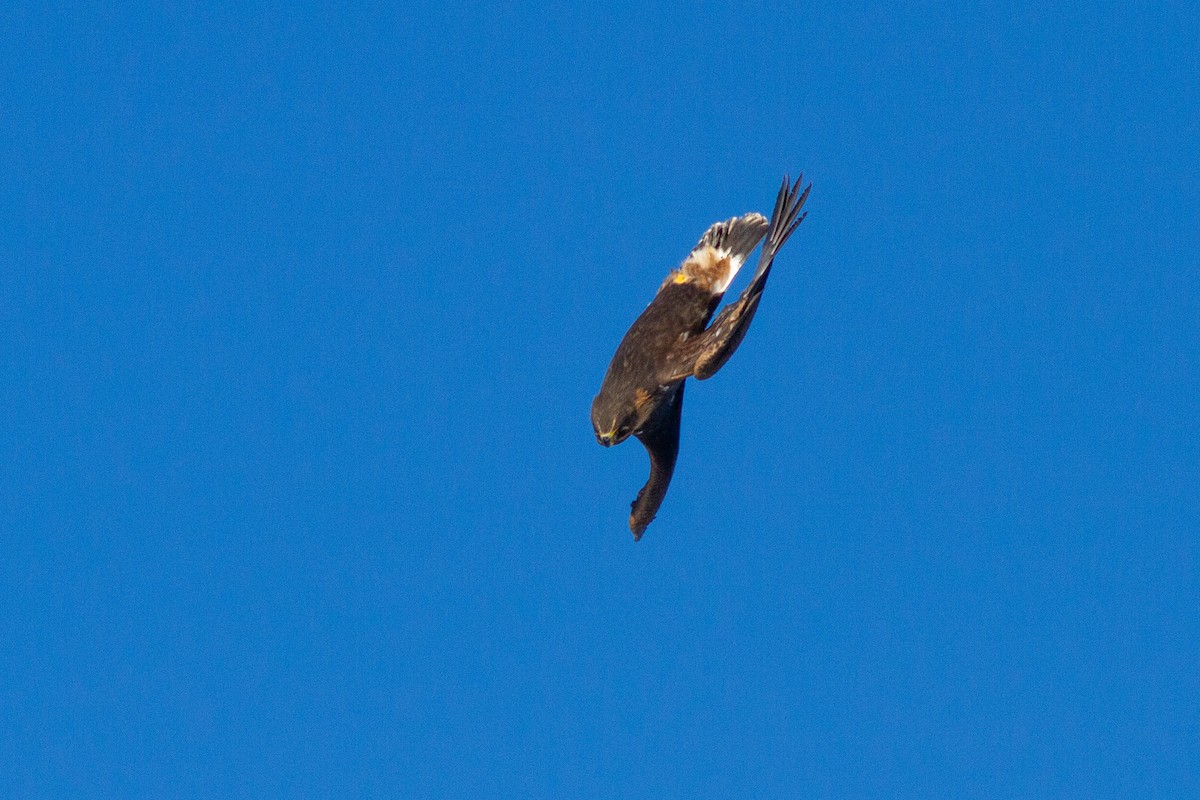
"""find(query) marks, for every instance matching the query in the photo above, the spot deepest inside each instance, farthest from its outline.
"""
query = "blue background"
(303, 311)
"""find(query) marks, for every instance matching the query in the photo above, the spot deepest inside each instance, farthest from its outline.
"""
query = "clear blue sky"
(303, 311)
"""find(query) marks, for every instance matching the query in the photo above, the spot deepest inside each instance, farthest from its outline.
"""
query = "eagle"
(672, 340)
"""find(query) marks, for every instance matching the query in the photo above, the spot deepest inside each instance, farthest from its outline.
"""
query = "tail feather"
(723, 249)
(738, 235)
(714, 347)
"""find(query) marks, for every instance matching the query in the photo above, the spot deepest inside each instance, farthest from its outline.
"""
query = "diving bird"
(642, 392)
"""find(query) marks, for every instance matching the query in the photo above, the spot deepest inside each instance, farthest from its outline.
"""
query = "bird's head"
(614, 418)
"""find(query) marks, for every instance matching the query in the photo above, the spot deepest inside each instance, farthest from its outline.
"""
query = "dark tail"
(738, 235)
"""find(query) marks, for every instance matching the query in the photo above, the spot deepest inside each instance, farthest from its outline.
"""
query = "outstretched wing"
(707, 352)
(661, 440)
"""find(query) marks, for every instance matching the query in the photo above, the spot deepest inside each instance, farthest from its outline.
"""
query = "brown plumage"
(642, 392)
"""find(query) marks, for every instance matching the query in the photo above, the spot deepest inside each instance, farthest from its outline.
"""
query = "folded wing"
(661, 440)
(708, 351)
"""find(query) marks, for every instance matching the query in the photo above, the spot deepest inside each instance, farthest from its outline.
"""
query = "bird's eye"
(623, 431)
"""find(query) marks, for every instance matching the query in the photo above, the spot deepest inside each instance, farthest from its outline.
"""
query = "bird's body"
(642, 392)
